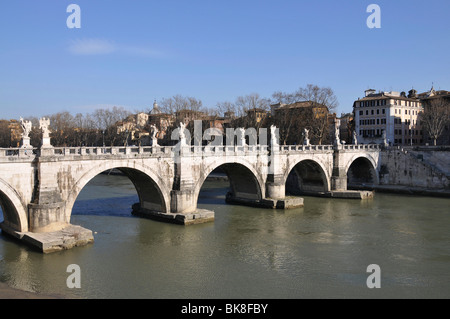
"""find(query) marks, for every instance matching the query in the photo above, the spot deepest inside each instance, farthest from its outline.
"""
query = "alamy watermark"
(237, 141)
(374, 20)
(374, 279)
(74, 279)
(74, 19)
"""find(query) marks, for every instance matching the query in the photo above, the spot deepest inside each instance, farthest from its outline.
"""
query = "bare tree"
(178, 103)
(5, 133)
(324, 102)
(106, 123)
(246, 110)
(311, 112)
(184, 109)
(435, 117)
(62, 127)
(289, 121)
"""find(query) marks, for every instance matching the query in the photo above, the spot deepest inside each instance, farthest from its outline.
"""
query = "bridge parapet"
(142, 151)
(363, 147)
(26, 154)
(226, 150)
(284, 149)
(110, 151)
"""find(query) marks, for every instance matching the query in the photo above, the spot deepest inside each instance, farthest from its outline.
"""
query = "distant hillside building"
(392, 113)
(161, 120)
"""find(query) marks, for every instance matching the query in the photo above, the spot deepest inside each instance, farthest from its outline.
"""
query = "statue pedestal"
(46, 142)
(25, 143)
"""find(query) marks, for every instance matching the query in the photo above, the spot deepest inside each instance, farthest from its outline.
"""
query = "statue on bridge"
(241, 137)
(26, 127)
(273, 136)
(182, 135)
(306, 137)
(337, 127)
(355, 138)
(154, 131)
(44, 124)
(385, 143)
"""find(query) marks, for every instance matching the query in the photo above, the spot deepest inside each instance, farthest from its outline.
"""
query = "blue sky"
(128, 53)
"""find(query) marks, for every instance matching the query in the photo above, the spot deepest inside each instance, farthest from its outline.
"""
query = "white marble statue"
(44, 124)
(273, 135)
(26, 127)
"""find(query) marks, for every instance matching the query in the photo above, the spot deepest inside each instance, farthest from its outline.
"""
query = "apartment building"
(390, 115)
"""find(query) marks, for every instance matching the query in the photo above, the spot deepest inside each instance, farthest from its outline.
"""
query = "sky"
(131, 52)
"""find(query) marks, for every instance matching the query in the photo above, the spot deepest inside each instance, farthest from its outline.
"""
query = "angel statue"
(273, 135)
(26, 127)
(154, 131)
(182, 128)
(44, 124)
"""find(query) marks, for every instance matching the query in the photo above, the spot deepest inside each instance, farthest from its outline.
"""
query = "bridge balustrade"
(168, 150)
(302, 148)
(26, 153)
(362, 147)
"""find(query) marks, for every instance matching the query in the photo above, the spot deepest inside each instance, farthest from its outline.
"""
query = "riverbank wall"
(415, 170)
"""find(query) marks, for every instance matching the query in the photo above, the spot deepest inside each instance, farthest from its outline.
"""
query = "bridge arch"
(309, 175)
(361, 169)
(152, 192)
(245, 182)
(14, 211)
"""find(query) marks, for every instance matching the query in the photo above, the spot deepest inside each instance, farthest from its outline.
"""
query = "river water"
(319, 251)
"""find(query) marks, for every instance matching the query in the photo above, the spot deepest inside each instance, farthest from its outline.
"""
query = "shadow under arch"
(307, 177)
(14, 212)
(149, 192)
(245, 185)
(361, 172)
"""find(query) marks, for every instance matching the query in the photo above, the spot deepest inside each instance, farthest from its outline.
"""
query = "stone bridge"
(39, 186)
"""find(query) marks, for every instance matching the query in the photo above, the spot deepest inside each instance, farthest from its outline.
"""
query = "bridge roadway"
(39, 186)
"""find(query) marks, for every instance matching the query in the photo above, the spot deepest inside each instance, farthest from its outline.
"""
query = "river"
(319, 251)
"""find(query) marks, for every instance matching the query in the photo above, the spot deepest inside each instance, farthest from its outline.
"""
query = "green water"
(319, 251)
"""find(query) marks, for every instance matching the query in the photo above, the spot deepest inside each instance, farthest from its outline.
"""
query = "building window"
(361, 112)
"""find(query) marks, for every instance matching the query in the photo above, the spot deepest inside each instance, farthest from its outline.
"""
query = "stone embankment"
(415, 170)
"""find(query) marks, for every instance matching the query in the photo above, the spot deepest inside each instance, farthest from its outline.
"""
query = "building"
(392, 115)
(163, 121)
